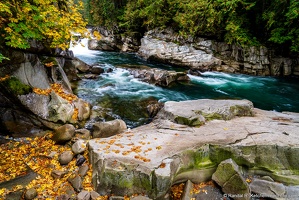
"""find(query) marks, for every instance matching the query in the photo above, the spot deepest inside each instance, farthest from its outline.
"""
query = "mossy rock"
(14, 85)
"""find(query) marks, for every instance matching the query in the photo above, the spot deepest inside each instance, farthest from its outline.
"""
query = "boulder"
(79, 146)
(65, 157)
(151, 158)
(267, 189)
(64, 133)
(197, 112)
(76, 182)
(83, 195)
(107, 129)
(156, 76)
(97, 70)
(229, 177)
(30, 194)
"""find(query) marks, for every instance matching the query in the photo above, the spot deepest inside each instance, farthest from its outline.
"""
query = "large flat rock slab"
(150, 158)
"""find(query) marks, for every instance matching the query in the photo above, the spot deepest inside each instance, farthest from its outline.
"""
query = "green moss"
(189, 121)
(212, 116)
(15, 86)
(241, 110)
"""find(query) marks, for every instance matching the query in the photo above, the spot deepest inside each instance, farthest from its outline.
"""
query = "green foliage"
(49, 21)
(245, 22)
(16, 86)
(104, 12)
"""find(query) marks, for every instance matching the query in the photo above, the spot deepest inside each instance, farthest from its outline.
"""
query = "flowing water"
(125, 97)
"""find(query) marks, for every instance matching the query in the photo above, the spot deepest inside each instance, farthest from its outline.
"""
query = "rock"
(30, 194)
(58, 174)
(97, 70)
(69, 191)
(64, 133)
(79, 146)
(63, 197)
(188, 191)
(196, 113)
(94, 195)
(140, 198)
(107, 129)
(91, 76)
(168, 153)
(82, 134)
(229, 177)
(156, 76)
(267, 188)
(65, 157)
(80, 160)
(76, 182)
(83, 170)
(153, 109)
(155, 46)
(81, 66)
(83, 195)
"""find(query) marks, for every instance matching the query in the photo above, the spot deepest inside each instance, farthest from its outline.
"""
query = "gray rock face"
(107, 129)
(111, 40)
(196, 113)
(200, 54)
(29, 73)
(229, 177)
(155, 47)
(150, 158)
(268, 189)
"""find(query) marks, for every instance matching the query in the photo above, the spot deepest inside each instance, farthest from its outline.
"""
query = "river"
(122, 95)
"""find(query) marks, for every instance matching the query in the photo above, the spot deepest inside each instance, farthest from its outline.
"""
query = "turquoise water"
(124, 96)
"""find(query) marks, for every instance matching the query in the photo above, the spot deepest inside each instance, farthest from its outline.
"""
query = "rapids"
(122, 95)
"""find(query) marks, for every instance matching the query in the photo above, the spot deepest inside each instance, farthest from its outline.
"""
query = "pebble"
(65, 157)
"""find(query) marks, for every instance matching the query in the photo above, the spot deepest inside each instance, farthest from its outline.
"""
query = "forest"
(245, 22)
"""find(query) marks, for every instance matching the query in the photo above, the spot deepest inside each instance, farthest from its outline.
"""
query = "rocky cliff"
(198, 54)
(36, 93)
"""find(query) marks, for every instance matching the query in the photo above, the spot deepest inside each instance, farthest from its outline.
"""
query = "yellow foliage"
(41, 20)
(58, 89)
(97, 35)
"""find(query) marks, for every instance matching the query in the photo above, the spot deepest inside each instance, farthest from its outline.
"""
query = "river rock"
(83, 195)
(76, 183)
(65, 157)
(155, 76)
(30, 194)
(83, 170)
(229, 177)
(58, 174)
(151, 158)
(107, 129)
(83, 134)
(94, 195)
(81, 66)
(79, 146)
(64, 133)
(97, 70)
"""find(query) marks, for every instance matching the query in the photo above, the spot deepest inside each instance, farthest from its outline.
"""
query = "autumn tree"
(50, 21)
